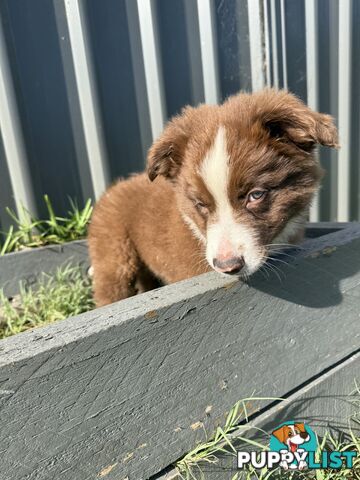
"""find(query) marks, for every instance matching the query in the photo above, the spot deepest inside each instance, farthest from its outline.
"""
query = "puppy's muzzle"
(231, 266)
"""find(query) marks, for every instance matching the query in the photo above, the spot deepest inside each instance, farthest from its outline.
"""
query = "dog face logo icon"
(294, 446)
(295, 438)
(292, 436)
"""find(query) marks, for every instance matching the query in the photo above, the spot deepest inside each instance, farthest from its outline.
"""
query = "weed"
(66, 293)
(31, 232)
(191, 466)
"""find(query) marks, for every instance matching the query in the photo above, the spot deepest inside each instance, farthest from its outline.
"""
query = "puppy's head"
(244, 173)
(292, 435)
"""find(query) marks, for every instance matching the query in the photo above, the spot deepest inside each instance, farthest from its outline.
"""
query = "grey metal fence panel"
(12, 137)
(114, 35)
(91, 83)
(233, 46)
(312, 80)
(35, 61)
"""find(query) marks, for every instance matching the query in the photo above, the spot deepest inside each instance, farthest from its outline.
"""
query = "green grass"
(66, 293)
(192, 465)
(31, 232)
(189, 466)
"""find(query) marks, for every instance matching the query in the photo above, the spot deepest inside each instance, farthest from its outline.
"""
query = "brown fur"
(138, 233)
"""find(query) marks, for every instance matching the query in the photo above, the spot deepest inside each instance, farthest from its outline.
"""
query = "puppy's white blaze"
(215, 169)
(215, 173)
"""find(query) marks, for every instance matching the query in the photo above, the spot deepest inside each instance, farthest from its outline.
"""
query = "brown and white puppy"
(224, 184)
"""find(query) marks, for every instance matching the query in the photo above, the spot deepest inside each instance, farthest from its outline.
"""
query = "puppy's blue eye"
(256, 195)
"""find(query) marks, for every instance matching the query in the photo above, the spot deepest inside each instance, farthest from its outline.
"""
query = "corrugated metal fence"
(86, 85)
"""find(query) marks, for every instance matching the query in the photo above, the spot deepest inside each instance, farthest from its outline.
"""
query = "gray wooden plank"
(326, 404)
(316, 229)
(27, 265)
(126, 385)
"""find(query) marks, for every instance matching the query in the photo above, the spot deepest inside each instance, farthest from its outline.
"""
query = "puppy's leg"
(115, 268)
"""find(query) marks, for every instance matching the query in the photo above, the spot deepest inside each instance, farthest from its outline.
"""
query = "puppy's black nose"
(304, 435)
(231, 265)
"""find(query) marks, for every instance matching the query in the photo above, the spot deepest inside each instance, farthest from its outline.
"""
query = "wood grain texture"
(123, 391)
(326, 404)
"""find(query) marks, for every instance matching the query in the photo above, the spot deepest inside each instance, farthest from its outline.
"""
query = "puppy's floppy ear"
(281, 433)
(166, 155)
(289, 120)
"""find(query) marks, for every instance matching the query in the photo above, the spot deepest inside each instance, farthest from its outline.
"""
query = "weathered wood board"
(119, 392)
(317, 229)
(28, 265)
(326, 404)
